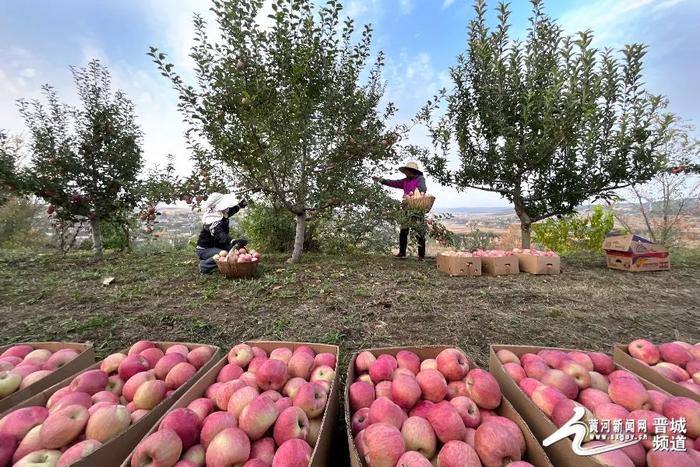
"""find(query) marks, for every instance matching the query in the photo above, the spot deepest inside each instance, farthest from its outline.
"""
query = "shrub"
(268, 228)
(18, 226)
(575, 233)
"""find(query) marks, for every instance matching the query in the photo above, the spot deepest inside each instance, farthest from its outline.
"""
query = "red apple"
(552, 357)
(131, 365)
(311, 398)
(677, 407)
(229, 447)
(598, 381)
(582, 359)
(222, 396)
(546, 398)
(535, 368)
(111, 363)
(644, 350)
(272, 374)
(229, 372)
(591, 398)
(674, 353)
(453, 364)
(300, 365)
(199, 356)
(263, 449)
(140, 346)
(19, 351)
(670, 459)
(578, 372)
(292, 386)
(506, 356)
(657, 399)
(418, 435)
(483, 389)
(629, 393)
(363, 361)
(446, 422)
(283, 404)
(214, 424)
(60, 358)
(456, 389)
(18, 422)
(130, 387)
(325, 359)
(324, 375)
(428, 364)
(602, 363)
(63, 426)
(241, 355)
(115, 385)
(408, 360)
(107, 423)
(8, 444)
(382, 445)
(240, 399)
(72, 398)
(562, 381)
(382, 389)
(77, 452)
(91, 381)
(162, 447)
(360, 394)
(291, 424)
(41, 458)
(458, 454)
(167, 363)
(421, 409)
(515, 371)
(405, 391)
(282, 354)
(293, 453)
(30, 443)
(433, 385)
(185, 423)
(382, 368)
(179, 375)
(495, 445)
(413, 459)
(360, 420)
(528, 385)
(383, 410)
(257, 417)
(468, 410)
(152, 355)
(150, 394)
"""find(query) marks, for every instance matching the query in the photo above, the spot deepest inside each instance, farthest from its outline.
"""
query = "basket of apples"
(237, 263)
(420, 200)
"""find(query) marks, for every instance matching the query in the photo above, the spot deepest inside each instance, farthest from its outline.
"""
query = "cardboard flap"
(632, 244)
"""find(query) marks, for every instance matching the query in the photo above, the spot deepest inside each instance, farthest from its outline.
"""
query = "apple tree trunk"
(299, 237)
(97, 242)
(525, 234)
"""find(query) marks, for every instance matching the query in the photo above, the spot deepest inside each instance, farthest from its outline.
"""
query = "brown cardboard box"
(85, 358)
(500, 265)
(321, 452)
(539, 264)
(638, 263)
(626, 361)
(535, 453)
(635, 254)
(116, 450)
(632, 244)
(459, 265)
(561, 452)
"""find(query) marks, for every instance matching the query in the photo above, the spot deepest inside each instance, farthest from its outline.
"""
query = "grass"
(354, 302)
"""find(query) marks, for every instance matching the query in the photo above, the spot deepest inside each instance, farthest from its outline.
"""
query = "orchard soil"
(351, 301)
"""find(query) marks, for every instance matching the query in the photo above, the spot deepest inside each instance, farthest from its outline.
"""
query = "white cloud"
(406, 6)
(667, 4)
(27, 73)
(447, 3)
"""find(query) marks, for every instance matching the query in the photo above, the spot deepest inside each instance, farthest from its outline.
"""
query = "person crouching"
(214, 236)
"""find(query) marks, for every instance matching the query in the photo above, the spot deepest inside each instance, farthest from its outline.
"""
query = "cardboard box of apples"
(673, 366)
(28, 368)
(546, 384)
(98, 416)
(237, 263)
(425, 406)
(459, 263)
(538, 262)
(264, 404)
(498, 262)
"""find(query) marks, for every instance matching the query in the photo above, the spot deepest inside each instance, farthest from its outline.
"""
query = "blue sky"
(39, 39)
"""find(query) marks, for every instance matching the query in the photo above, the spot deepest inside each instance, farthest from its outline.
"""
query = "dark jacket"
(215, 235)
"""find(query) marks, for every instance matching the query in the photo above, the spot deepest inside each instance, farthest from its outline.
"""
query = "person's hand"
(242, 203)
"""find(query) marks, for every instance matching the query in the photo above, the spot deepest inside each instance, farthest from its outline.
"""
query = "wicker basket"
(424, 204)
(237, 270)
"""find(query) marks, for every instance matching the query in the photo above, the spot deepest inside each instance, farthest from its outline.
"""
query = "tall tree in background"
(83, 161)
(548, 122)
(285, 107)
(664, 202)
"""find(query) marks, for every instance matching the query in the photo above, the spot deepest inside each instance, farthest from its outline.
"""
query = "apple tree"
(292, 108)
(83, 161)
(547, 122)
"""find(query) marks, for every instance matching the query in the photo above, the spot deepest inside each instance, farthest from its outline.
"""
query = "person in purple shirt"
(414, 181)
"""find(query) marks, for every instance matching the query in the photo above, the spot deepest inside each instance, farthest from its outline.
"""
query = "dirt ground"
(355, 302)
